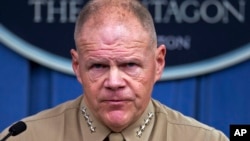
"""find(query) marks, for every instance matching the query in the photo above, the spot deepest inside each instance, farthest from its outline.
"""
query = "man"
(117, 61)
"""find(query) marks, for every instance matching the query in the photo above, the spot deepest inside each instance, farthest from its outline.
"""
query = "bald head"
(119, 10)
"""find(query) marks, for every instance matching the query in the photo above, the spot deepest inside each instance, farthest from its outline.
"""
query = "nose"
(114, 80)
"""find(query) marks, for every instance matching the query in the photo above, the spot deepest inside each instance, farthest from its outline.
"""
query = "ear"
(75, 64)
(160, 60)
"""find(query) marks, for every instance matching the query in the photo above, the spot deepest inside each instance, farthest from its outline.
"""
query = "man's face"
(117, 66)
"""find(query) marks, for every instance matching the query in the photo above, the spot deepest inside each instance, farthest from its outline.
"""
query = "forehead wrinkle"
(113, 54)
(119, 43)
(114, 59)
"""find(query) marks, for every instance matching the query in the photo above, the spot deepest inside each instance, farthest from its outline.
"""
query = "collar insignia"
(88, 120)
(138, 132)
(144, 125)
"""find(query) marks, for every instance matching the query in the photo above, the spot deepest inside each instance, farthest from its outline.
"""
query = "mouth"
(116, 101)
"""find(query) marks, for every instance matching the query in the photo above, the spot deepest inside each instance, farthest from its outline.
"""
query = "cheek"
(143, 95)
(146, 75)
(143, 83)
(90, 84)
(96, 75)
(89, 76)
(146, 83)
(91, 92)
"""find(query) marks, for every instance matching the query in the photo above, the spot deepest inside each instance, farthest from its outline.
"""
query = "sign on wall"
(201, 36)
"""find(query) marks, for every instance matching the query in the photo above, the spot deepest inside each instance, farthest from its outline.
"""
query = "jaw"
(117, 120)
(118, 115)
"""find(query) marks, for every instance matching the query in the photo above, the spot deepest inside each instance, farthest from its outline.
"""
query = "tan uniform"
(72, 121)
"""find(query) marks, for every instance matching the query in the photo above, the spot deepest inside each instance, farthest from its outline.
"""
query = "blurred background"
(207, 73)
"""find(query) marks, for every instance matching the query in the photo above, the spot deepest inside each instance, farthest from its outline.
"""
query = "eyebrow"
(117, 60)
(96, 60)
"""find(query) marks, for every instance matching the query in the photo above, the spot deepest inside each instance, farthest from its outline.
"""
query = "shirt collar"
(92, 129)
(144, 125)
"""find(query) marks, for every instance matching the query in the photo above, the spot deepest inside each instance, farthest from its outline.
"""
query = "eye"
(130, 64)
(98, 66)
(131, 68)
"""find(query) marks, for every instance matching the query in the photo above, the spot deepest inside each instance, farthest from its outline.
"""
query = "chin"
(117, 120)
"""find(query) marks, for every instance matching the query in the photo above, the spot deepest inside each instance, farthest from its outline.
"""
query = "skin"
(117, 64)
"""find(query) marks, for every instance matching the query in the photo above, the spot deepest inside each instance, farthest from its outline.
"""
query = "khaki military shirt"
(72, 121)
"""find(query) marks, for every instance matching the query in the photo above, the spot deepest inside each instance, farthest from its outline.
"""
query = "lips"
(116, 97)
(117, 100)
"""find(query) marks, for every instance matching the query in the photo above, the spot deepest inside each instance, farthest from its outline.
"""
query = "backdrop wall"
(218, 99)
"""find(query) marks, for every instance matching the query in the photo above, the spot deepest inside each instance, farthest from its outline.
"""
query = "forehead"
(110, 28)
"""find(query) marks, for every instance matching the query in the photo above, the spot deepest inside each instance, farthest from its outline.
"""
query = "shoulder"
(180, 125)
(59, 110)
(175, 117)
(50, 123)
